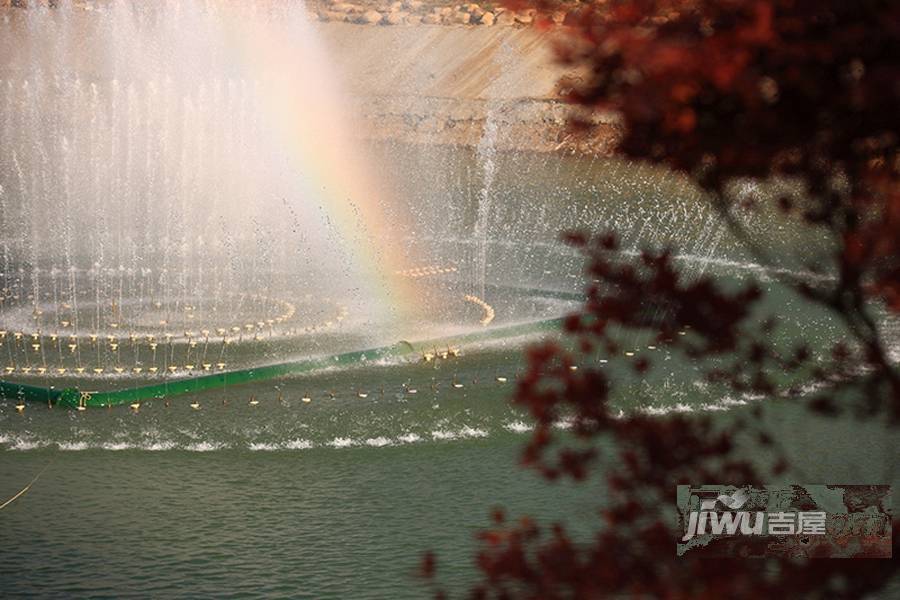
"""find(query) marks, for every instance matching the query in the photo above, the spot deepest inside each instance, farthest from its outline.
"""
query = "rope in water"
(25, 489)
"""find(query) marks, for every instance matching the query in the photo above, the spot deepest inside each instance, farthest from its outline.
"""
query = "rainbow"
(303, 109)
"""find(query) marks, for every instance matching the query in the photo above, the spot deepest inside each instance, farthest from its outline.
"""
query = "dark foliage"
(802, 91)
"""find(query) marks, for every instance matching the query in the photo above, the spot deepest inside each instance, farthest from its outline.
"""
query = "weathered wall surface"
(444, 61)
(424, 83)
(441, 84)
(521, 123)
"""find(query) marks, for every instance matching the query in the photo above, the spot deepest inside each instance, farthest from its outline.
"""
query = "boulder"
(559, 17)
(371, 17)
(346, 7)
(524, 17)
(413, 5)
(395, 18)
(413, 19)
(506, 18)
(432, 19)
(462, 18)
(330, 15)
(487, 19)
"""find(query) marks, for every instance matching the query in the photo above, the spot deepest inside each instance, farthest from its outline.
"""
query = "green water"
(338, 497)
(335, 498)
(318, 524)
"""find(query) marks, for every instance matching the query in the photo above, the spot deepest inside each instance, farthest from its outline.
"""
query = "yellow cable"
(26, 488)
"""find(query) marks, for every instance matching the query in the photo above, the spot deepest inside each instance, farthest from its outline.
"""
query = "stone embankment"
(419, 12)
(425, 71)
(444, 85)
(520, 124)
(382, 12)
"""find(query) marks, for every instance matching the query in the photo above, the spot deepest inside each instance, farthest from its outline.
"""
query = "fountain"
(184, 205)
(288, 337)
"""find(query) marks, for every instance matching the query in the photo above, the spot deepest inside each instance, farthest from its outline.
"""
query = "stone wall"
(522, 124)
(392, 12)
(416, 12)
(438, 79)
(442, 85)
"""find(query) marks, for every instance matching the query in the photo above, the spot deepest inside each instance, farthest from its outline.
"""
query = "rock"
(413, 5)
(346, 7)
(432, 19)
(462, 18)
(413, 19)
(395, 6)
(524, 18)
(371, 17)
(506, 18)
(445, 11)
(330, 15)
(559, 17)
(487, 19)
(395, 18)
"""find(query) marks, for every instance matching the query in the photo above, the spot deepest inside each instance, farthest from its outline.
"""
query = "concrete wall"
(419, 83)
(440, 84)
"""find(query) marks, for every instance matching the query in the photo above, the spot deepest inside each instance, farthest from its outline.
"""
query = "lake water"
(339, 496)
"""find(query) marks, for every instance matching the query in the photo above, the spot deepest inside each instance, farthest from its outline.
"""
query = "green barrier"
(71, 397)
(31, 393)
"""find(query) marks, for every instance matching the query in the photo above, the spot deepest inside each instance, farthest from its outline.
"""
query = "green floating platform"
(73, 397)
